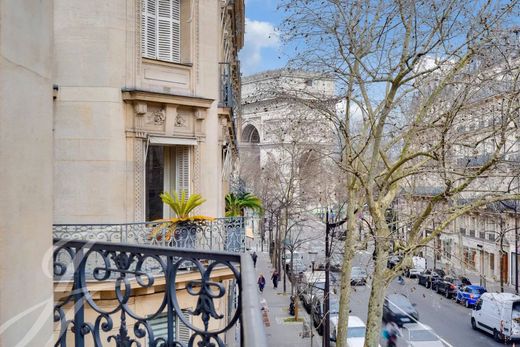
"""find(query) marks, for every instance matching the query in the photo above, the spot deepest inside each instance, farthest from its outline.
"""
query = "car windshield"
(356, 332)
(400, 303)
(478, 290)
(422, 335)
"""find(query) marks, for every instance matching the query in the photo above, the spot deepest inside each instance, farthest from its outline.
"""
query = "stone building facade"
(94, 120)
(143, 104)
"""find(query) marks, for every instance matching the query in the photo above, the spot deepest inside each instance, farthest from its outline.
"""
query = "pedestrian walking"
(261, 282)
(391, 332)
(254, 256)
(275, 277)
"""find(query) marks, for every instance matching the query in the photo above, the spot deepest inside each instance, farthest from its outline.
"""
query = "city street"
(449, 320)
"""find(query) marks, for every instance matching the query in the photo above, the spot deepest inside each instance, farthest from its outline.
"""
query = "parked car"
(318, 310)
(358, 276)
(418, 335)
(397, 308)
(392, 261)
(310, 293)
(298, 266)
(427, 277)
(468, 295)
(333, 267)
(419, 265)
(355, 334)
(313, 284)
(498, 314)
(449, 285)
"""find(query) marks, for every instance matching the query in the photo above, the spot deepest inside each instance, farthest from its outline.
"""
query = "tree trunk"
(377, 293)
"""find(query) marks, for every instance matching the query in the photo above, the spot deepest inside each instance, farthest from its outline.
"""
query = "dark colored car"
(427, 277)
(318, 310)
(333, 267)
(393, 261)
(469, 295)
(397, 308)
(449, 285)
(309, 293)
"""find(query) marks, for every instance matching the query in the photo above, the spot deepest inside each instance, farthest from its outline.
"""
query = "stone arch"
(250, 134)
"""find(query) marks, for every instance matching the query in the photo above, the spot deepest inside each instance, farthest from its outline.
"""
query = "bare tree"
(409, 74)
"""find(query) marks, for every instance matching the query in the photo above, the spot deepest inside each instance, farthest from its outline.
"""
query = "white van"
(499, 314)
(355, 333)
(419, 265)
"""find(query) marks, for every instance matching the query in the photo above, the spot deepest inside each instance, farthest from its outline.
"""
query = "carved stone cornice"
(137, 95)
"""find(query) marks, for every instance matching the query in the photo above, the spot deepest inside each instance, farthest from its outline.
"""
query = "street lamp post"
(482, 279)
(326, 299)
(313, 255)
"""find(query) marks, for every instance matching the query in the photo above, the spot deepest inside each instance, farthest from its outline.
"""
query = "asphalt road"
(449, 320)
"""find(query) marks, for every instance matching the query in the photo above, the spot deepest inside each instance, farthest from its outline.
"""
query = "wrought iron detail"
(222, 234)
(124, 268)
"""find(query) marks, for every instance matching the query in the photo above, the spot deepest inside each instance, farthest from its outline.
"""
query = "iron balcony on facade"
(107, 275)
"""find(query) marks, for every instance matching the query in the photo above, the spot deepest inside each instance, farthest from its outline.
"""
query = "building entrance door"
(504, 268)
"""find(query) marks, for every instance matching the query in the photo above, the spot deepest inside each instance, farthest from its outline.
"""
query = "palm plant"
(237, 204)
(182, 206)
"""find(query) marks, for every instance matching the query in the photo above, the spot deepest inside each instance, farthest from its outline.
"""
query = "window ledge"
(166, 63)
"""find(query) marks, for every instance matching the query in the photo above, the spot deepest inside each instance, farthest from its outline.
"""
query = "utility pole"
(326, 300)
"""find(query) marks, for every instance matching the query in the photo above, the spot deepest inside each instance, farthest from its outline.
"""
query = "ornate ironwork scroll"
(123, 270)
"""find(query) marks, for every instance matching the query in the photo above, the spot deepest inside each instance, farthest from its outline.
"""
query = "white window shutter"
(160, 22)
(183, 332)
(164, 32)
(149, 29)
(176, 31)
(182, 168)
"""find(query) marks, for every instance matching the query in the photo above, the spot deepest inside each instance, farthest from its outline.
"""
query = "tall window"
(167, 169)
(160, 30)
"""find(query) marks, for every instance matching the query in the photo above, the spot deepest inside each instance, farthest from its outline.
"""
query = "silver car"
(418, 335)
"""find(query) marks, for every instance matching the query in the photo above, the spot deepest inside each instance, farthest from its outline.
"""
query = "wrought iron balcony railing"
(82, 321)
(221, 234)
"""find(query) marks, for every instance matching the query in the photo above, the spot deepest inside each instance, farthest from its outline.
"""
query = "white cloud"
(259, 35)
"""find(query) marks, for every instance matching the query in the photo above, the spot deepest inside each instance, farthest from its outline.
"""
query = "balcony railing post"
(79, 313)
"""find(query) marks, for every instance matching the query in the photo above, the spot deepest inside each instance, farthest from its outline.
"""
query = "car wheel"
(473, 324)
(427, 284)
(497, 336)
(466, 303)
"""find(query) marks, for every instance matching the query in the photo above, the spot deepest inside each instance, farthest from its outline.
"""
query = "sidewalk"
(280, 333)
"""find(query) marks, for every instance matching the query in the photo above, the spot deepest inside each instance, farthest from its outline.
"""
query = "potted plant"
(236, 204)
(183, 227)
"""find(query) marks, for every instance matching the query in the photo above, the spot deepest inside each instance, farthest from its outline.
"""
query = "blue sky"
(262, 48)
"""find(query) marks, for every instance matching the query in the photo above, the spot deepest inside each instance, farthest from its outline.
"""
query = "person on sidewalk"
(261, 282)
(254, 256)
(391, 333)
(275, 277)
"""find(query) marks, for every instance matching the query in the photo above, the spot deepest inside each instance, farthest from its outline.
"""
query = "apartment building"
(145, 102)
(482, 243)
(106, 104)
